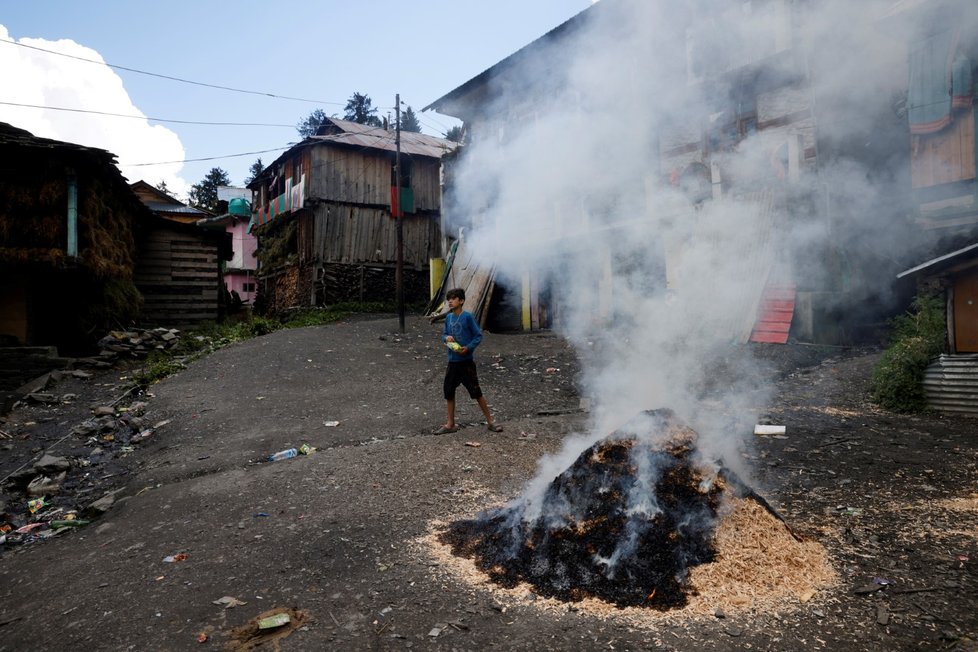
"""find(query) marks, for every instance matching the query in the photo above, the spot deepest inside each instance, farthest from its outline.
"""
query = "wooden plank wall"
(946, 156)
(477, 280)
(364, 177)
(341, 282)
(179, 277)
(356, 234)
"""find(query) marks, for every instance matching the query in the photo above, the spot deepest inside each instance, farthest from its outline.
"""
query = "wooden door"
(966, 313)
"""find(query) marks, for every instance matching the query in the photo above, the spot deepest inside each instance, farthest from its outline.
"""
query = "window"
(296, 170)
(248, 287)
(733, 124)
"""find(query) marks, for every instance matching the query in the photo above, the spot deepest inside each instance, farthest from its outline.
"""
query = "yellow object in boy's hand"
(454, 346)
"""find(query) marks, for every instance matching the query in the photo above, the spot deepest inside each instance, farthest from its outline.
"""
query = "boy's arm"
(444, 330)
(474, 331)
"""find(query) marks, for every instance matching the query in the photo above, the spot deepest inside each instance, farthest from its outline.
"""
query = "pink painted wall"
(244, 283)
(244, 245)
(240, 275)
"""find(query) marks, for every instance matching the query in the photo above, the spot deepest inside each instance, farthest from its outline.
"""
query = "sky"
(321, 51)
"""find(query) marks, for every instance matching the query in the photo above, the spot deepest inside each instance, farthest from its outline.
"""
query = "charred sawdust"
(710, 543)
(622, 523)
(760, 568)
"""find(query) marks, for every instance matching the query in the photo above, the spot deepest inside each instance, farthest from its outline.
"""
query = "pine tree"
(308, 126)
(204, 194)
(455, 133)
(256, 168)
(409, 121)
(359, 108)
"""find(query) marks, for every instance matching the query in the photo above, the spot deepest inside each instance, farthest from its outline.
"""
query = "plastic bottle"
(283, 455)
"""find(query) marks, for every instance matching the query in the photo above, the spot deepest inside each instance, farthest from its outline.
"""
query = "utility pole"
(399, 215)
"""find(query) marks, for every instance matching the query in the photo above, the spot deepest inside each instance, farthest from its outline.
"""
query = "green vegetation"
(917, 337)
(204, 194)
(410, 122)
(207, 338)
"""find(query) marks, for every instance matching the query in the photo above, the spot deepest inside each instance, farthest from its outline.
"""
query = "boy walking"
(462, 336)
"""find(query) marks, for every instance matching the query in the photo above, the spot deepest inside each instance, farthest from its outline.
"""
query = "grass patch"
(206, 338)
(918, 336)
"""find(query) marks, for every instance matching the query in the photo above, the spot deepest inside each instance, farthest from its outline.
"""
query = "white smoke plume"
(653, 287)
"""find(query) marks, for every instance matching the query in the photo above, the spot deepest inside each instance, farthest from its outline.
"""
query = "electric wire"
(173, 120)
(381, 137)
(207, 158)
(143, 117)
(171, 77)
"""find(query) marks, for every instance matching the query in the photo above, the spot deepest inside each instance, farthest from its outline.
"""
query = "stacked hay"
(70, 297)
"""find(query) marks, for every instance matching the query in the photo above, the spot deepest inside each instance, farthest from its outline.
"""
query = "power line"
(207, 158)
(434, 125)
(170, 77)
(381, 138)
(141, 117)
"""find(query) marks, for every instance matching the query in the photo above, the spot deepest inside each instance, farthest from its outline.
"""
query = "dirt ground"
(343, 537)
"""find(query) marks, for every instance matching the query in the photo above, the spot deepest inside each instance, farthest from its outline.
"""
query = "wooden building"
(323, 217)
(942, 44)
(178, 263)
(67, 249)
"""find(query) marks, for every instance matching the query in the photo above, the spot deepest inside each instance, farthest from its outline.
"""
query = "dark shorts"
(462, 373)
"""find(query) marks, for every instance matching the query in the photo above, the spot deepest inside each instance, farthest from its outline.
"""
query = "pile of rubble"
(136, 343)
(60, 492)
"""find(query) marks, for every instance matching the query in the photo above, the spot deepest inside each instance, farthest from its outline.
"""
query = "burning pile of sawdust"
(641, 520)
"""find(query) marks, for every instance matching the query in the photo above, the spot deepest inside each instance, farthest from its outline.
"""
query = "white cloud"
(42, 79)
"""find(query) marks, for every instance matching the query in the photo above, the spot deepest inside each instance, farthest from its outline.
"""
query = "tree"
(409, 121)
(256, 168)
(204, 194)
(161, 186)
(455, 134)
(308, 126)
(359, 108)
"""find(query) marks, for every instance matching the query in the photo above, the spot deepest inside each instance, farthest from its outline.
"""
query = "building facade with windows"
(322, 213)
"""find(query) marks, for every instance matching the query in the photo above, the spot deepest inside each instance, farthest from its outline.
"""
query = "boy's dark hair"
(455, 293)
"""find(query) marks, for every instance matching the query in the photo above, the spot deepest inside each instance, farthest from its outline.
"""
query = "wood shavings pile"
(758, 563)
(760, 566)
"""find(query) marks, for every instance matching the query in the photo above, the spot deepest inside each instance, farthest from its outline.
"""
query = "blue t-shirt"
(466, 332)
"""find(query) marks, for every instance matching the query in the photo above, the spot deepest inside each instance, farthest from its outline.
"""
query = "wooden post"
(399, 213)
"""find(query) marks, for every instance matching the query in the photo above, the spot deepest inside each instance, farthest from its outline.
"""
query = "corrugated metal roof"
(951, 383)
(167, 207)
(937, 261)
(412, 143)
(354, 134)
